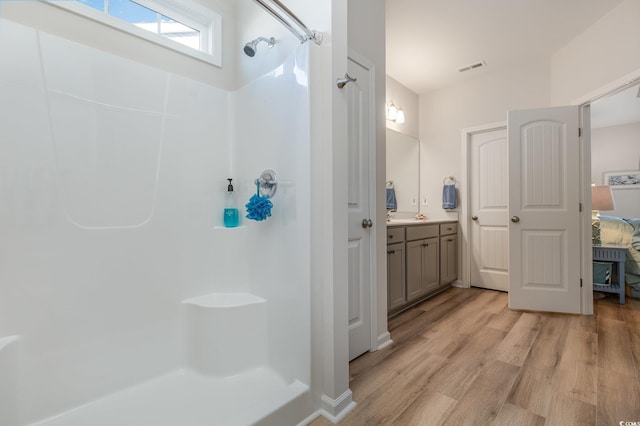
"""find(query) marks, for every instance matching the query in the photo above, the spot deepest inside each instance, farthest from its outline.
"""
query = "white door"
(544, 209)
(359, 248)
(489, 231)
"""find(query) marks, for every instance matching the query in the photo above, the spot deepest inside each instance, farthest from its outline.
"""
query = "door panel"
(396, 289)
(544, 235)
(448, 259)
(423, 257)
(414, 269)
(489, 204)
(359, 143)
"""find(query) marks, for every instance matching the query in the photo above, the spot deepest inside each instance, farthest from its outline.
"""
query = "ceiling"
(428, 40)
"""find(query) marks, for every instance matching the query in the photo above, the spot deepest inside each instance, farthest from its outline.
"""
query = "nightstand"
(616, 255)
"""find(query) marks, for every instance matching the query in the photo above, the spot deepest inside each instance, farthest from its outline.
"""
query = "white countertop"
(412, 221)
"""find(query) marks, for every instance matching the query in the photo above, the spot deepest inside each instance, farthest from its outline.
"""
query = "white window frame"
(187, 12)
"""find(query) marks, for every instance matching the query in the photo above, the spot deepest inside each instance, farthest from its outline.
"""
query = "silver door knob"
(367, 223)
(515, 219)
(474, 217)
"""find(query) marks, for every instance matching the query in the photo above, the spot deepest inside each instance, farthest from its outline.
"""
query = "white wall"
(444, 113)
(405, 98)
(68, 25)
(617, 148)
(604, 52)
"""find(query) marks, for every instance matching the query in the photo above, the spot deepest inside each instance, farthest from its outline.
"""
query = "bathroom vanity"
(422, 260)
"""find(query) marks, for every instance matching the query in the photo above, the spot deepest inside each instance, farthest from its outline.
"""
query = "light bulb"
(392, 112)
(399, 116)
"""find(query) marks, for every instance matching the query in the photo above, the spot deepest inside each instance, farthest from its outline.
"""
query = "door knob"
(515, 219)
(367, 223)
(474, 217)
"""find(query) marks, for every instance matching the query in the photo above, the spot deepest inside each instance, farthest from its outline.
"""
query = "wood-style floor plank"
(464, 358)
(614, 346)
(532, 390)
(565, 410)
(482, 402)
(618, 397)
(515, 347)
(510, 415)
(430, 408)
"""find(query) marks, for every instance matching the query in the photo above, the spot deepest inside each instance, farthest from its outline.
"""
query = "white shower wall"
(112, 181)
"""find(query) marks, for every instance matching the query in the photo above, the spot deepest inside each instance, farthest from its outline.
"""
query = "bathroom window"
(183, 26)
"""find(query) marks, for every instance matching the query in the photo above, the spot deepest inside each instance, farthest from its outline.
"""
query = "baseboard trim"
(458, 283)
(335, 410)
(384, 340)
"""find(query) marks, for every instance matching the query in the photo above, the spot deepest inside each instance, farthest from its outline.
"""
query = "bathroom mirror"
(403, 169)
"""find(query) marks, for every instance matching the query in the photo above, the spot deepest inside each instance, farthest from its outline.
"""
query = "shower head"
(251, 47)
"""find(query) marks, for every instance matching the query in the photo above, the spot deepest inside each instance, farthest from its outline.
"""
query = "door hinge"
(580, 282)
(579, 132)
(580, 207)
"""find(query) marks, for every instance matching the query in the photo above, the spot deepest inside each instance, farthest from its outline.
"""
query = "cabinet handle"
(449, 239)
(391, 251)
(390, 237)
(424, 244)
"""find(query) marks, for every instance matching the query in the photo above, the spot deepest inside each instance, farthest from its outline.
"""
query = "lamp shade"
(602, 198)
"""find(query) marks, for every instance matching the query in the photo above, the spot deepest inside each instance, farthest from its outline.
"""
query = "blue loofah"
(259, 207)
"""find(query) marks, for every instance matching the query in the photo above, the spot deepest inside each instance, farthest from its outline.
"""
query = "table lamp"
(601, 199)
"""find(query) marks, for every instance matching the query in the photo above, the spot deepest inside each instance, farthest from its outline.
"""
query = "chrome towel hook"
(341, 82)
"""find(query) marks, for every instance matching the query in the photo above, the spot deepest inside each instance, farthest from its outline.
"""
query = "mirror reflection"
(403, 175)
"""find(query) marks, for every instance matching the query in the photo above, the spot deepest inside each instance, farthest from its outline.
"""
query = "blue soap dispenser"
(231, 217)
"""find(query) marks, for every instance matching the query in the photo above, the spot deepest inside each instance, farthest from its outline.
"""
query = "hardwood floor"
(463, 358)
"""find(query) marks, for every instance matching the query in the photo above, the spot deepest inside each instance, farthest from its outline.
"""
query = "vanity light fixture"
(394, 113)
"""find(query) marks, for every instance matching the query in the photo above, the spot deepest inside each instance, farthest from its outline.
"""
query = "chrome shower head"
(251, 47)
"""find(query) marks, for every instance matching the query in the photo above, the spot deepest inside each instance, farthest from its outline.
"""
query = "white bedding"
(614, 230)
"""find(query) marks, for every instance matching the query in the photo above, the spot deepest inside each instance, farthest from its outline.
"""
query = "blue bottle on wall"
(231, 217)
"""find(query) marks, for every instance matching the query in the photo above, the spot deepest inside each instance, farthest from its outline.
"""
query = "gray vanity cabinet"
(422, 268)
(448, 253)
(421, 261)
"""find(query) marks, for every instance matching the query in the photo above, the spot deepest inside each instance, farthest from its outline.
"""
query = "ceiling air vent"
(472, 66)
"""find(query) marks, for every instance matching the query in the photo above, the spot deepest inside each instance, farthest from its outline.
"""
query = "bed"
(623, 232)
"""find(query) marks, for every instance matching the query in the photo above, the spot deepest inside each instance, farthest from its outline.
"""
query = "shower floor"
(187, 398)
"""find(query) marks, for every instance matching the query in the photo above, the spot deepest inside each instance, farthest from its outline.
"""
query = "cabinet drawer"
(448, 228)
(395, 235)
(420, 232)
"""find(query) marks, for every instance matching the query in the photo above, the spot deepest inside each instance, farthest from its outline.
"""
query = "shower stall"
(123, 298)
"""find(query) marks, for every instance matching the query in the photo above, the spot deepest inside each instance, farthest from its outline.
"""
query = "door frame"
(465, 195)
(585, 170)
(373, 239)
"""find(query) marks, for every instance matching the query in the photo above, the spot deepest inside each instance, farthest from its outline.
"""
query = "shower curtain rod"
(308, 34)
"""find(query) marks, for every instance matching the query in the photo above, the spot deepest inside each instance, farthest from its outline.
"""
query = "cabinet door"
(422, 268)
(430, 265)
(396, 288)
(414, 269)
(448, 259)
